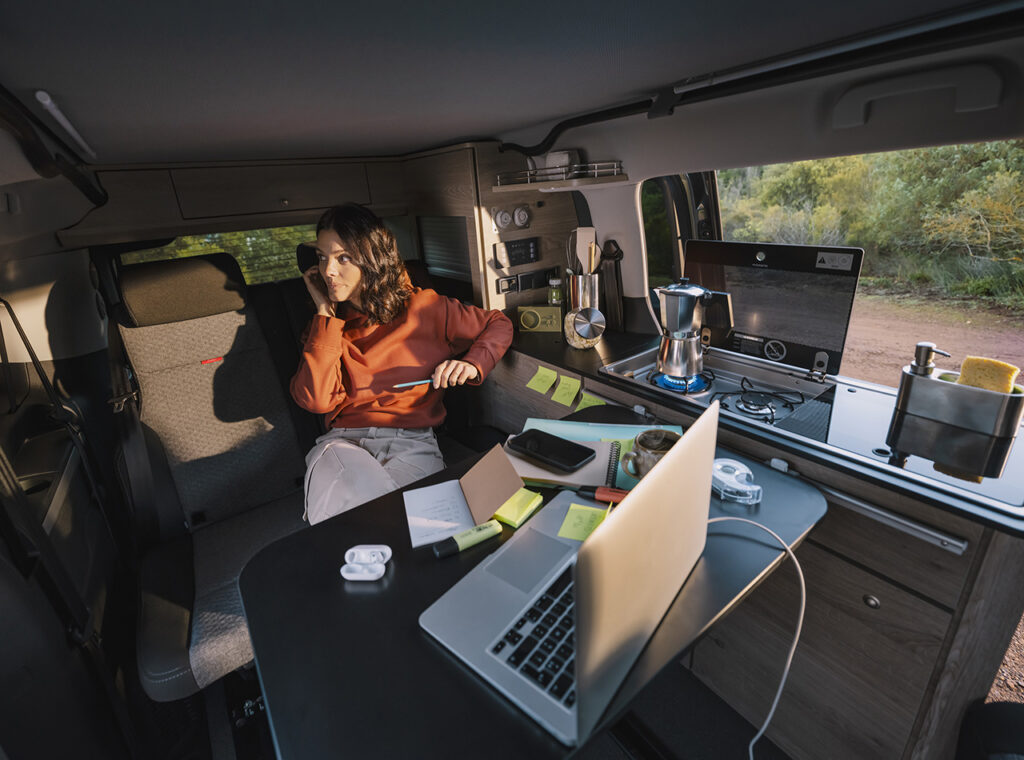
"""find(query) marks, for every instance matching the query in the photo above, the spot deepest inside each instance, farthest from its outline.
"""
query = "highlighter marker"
(602, 493)
(472, 537)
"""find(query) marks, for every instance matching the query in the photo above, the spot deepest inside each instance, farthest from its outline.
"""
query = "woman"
(372, 331)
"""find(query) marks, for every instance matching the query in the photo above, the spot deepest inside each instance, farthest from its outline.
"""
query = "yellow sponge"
(990, 374)
(953, 472)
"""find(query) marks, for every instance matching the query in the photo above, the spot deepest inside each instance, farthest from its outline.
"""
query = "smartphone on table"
(551, 451)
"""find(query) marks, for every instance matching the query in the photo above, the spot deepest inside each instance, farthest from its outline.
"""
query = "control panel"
(514, 253)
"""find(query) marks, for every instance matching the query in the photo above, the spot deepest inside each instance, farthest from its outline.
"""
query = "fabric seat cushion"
(210, 392)
(191, 635)
(220, 636)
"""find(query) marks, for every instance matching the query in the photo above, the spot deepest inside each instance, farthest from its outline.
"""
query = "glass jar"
(555, 291)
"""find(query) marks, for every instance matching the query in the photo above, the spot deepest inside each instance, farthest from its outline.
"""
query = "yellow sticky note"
(542, 379)
(566, 391)
(587, 400)
(580, 522)
(522, 504)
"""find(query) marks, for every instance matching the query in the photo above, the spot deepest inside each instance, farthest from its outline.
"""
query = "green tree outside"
(946, 220)
(266, 255)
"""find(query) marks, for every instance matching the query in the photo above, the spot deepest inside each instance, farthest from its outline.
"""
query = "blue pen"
(414, 382)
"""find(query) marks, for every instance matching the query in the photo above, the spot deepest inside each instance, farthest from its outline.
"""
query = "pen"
(414, 382)
(472, 537)
(602, 493)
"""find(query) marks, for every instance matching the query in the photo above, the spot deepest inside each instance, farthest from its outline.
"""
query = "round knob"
(589, 323)
(872, 601)
(502, 219)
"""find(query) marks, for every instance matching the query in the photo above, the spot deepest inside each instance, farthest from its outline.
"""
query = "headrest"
(175, 290)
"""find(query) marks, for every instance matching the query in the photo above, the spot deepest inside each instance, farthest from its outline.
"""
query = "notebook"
(555, 624)
(599, 431)
(599, 471)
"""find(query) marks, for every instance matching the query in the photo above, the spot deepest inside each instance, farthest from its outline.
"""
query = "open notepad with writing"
(599, 471)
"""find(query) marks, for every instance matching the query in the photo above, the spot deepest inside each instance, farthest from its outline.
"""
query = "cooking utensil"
(682, 309)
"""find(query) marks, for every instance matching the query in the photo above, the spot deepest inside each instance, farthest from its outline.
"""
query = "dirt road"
(884, 330)
(881, 339)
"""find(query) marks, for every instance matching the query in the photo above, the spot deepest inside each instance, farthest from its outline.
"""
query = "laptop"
(556, 624)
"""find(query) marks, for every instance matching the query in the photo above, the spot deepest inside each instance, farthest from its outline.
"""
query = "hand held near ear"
(318, 290)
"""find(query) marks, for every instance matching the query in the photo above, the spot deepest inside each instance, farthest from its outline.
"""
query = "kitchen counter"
(844, 429)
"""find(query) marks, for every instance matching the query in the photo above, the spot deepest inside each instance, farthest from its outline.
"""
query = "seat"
(224, 464)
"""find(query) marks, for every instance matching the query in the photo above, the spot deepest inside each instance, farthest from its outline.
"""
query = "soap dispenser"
(962, 427)
(923, 354)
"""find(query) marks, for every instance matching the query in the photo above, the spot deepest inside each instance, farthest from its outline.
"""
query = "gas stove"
(749, 387)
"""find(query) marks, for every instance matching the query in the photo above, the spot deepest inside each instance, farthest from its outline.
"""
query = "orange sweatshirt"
(348, 367)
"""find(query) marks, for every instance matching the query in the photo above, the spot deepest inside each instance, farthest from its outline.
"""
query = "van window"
(943, 234)
(264, 255)
(664, 251)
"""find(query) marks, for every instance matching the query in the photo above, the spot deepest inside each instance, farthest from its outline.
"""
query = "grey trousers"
(350, 466)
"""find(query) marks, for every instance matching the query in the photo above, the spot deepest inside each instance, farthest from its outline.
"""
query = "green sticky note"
(542, 379)
(566, 391)
(581, 521)
(522, 504)
(587, 400)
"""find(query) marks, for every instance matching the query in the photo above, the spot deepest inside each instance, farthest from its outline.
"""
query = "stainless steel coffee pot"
(682, 312)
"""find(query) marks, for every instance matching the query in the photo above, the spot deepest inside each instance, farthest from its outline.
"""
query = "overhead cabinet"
(234, 191)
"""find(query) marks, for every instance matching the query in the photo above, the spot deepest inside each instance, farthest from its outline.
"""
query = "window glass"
(943, 234)
(662, 247)
(265, 255)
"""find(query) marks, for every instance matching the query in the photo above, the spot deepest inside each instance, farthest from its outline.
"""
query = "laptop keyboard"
(541, 645)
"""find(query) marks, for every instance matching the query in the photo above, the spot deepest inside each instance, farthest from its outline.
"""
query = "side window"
(660, 234)
(942, 231)
(265, 255)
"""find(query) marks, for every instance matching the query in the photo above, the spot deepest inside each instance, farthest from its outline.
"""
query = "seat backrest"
(208, 386)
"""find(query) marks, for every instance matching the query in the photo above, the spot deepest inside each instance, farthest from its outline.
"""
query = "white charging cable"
(796, 635)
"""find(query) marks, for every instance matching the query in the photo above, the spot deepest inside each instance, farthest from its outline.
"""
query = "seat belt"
(126, 403)
(33, 553)
(61, 412)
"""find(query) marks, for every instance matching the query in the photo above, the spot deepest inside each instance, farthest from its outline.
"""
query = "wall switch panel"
(522, 251)
(506, 285)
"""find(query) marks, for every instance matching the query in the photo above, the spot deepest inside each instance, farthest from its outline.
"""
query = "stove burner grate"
(757, 403)
(686, 385)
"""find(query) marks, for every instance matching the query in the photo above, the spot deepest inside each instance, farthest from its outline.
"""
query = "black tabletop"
(346, 669)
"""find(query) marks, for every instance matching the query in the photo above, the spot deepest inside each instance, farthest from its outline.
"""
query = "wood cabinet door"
(861, 669)
(505, 402)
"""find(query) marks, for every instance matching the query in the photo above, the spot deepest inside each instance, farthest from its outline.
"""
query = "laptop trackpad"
(528, 559)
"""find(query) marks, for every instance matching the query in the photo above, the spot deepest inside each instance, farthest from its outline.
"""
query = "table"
(345, 668)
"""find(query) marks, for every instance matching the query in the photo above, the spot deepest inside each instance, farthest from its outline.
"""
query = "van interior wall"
(788, 122)
(32, 210)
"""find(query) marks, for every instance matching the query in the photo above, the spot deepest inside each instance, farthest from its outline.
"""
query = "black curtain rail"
(608, 114)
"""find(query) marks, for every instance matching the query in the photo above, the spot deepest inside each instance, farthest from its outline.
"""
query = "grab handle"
(978, 87)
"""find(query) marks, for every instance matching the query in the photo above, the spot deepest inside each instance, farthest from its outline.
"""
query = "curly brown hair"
(385, 284)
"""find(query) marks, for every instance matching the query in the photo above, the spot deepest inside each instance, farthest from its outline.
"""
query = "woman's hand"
(453, 372)
(318, 290)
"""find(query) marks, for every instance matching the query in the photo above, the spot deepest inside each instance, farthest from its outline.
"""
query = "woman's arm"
(484, 336)
(318, 385)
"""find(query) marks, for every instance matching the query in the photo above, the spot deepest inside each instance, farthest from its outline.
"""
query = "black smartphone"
(305, 256)
(551, 451)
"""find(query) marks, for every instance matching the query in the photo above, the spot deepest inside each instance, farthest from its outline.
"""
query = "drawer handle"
(872, 601)
(944, 541)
